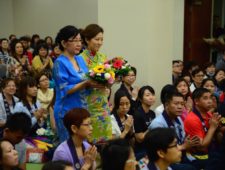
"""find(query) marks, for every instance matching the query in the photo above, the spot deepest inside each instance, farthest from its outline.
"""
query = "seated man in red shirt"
(203, 124)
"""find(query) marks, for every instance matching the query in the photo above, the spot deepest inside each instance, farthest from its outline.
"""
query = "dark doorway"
(197, 25)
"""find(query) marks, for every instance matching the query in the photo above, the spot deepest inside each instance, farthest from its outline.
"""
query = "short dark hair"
(175, 61)
(198, 93)
(75, 117)
(158, 139)
(65, 34)
(19, 121)
(142, 91)
(90, 32)
(56, 165)
(40, 44)
(5, 82)
(115, 154)
(167, 89)
(25, 38)
(131, 69)
(206, 80)
(169, 96)
(11, 35)
(196, 71)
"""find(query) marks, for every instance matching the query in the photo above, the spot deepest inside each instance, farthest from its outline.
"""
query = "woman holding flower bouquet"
(69, 73)
(98, 105)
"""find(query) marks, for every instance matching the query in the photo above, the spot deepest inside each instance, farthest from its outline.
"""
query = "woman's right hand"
(129, 123)
(89, 157)
(39, 113)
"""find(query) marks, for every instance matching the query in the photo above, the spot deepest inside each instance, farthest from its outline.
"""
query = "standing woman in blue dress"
(69, 75)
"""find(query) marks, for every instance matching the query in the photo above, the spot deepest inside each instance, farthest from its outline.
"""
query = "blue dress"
(66, 77)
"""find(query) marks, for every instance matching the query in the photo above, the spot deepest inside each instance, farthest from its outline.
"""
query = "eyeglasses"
(87, 124)
(199, 75)
(173, 146)
(43, 80)
(130, 75)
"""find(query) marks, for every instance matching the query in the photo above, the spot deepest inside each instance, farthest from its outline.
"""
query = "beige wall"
(6, 18)
(146, 33)
(149, 33)
(46, 17)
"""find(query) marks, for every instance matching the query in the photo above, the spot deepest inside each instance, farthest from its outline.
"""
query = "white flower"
(107, 76)
(41, 131)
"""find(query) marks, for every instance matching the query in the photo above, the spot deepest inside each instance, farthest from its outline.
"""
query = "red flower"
(118, 64)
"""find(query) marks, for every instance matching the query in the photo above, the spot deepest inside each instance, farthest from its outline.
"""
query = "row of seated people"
(136, 126)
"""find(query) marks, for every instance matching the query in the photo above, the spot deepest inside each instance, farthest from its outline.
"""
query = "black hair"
(13, 47)
(208, 79)
(34, 36)
(142, 91)
(198, 93)
(176, 61)
(217, 71)
(169, 96)
(65, 34)
(56, 165)
(49, 38)
(158, 139)
(181, 79)
(5, 82)
(131, 69)
(196, 71)
(11, 35)
(23, 85)
(40, 44)
(19, 122)
(115, 154)
(25, 38)
(118, 95)
(166, 90)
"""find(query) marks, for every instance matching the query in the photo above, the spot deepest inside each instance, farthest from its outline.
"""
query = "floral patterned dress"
(97, 103)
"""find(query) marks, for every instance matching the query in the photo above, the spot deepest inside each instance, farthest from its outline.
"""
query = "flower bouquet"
(120, 66)
(102, 73)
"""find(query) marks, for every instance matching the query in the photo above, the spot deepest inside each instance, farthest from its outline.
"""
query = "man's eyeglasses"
(173, 146)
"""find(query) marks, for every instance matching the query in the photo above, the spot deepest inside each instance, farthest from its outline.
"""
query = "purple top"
(62, 152)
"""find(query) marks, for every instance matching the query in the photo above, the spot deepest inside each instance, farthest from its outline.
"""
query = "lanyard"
(171, 125)
(6, 104)
(121, 126)
(30, 109)
(73, 152)
(197, 113)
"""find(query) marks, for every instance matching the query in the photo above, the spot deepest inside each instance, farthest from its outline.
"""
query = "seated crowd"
(50, 108)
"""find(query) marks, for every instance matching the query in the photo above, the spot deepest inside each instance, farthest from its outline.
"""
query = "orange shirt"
(193, 125)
